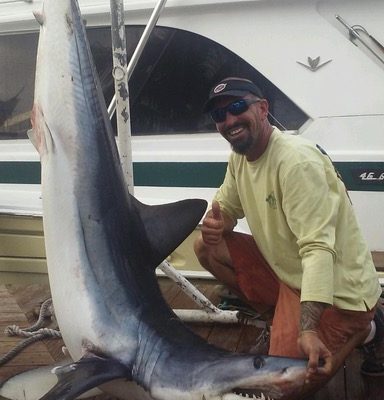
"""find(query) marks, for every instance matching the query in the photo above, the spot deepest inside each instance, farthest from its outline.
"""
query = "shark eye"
(258, 362)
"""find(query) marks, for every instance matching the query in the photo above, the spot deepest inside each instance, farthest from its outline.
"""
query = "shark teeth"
(241, 396)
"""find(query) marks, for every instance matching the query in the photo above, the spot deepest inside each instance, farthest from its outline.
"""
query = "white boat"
(319, 62)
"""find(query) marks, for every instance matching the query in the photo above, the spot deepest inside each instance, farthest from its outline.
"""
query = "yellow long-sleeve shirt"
(303, 222)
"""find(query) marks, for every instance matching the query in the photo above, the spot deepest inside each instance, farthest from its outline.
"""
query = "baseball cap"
(237, 87)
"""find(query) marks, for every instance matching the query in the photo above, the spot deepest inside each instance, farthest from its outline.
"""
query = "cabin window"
(167, 89)
(17, 72)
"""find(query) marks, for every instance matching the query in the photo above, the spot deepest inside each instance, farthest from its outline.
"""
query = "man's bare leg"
(217, 260)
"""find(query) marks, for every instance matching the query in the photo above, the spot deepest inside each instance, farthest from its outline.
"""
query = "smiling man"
(306, 256)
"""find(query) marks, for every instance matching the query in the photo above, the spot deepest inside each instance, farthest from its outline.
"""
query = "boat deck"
(18, 305)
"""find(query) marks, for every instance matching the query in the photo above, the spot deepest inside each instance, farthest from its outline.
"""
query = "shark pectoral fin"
(167, 225)
(40, 135)
(87, 373)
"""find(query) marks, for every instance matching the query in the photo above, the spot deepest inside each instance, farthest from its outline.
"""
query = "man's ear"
(264, 108)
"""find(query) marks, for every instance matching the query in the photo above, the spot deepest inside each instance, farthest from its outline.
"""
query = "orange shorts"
(259, 284)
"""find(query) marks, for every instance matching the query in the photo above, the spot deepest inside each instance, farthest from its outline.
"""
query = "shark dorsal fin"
(168, 225)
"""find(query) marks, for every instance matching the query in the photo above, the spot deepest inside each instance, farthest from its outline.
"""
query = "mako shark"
(103, 246)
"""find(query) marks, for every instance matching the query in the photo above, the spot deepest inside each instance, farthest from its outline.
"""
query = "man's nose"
(230, 118)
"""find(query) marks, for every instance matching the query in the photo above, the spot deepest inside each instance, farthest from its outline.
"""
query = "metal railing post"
(119, 53)
(139, 48)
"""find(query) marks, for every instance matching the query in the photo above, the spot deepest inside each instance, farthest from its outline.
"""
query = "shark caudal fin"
(34, 383)
(87, 373)
(168, 225)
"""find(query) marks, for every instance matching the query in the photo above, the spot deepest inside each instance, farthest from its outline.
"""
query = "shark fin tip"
(39, 16)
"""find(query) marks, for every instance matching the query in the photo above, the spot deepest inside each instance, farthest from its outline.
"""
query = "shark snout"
(275, 378)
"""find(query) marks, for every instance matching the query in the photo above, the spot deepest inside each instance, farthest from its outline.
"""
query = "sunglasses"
(235, 108)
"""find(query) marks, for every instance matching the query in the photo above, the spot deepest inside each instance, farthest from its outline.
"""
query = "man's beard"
(242, 147)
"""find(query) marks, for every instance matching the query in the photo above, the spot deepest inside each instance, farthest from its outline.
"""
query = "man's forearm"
(311, 312)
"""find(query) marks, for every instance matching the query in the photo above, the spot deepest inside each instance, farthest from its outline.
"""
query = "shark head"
(235, 377)
(272, 378)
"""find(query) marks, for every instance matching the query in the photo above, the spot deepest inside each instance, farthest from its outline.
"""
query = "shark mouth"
(241, 395)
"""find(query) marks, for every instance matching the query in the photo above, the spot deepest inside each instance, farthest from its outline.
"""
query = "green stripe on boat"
(362, 176)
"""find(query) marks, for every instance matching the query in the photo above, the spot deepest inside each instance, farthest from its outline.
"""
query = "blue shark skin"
(103, 246)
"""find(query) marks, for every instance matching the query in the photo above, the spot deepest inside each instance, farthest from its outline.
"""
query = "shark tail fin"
(168, 225)
(87, 373)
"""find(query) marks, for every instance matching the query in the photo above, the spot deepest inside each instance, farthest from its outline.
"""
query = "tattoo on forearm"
(310, 314)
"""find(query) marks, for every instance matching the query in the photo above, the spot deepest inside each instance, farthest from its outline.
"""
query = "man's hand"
(213, 226)
(311, 345)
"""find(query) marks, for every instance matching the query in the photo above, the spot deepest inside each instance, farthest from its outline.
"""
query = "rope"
(34, 333)
(46, 311)
(14, 330)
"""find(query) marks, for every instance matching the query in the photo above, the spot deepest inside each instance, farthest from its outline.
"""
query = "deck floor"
(18, 305)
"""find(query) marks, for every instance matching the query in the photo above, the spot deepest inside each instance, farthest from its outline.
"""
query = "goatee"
(242, 147)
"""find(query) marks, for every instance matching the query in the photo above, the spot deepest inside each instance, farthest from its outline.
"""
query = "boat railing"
(355, 34)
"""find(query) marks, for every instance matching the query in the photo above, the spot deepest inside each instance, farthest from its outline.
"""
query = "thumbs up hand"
(213, 225)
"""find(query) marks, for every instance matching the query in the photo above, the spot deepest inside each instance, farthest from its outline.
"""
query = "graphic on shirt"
(271, 200)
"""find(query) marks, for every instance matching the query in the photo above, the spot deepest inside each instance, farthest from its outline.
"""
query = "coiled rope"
(34, 333)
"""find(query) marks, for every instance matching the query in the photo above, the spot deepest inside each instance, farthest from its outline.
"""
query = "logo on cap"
(219, 88)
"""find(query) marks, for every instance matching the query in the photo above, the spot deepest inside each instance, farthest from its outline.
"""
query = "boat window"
(17, 72)
(167, 89)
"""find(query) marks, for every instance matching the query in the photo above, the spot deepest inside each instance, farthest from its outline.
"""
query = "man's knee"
(212, 258)
(202, 252)
(199, 247)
